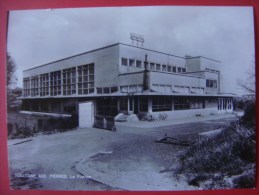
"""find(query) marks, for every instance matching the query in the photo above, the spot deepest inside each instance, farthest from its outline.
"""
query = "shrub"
(227, 154)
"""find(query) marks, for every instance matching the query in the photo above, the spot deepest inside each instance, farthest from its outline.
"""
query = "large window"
(55, 83)
(143, 104)
(34, 86)
(124, 103)
(197, 103)
(85, 79)
(44, 84)
(26, 87)
(69, 81)
(181, 103)
(161, 104)
(106, 107)
(211, 83)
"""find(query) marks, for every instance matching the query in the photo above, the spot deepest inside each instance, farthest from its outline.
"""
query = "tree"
(248, 84)
(10, 71)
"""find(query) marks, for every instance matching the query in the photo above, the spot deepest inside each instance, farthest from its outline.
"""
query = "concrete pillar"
(149, 104)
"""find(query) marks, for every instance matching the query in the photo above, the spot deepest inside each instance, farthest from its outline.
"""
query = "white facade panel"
(86, 114)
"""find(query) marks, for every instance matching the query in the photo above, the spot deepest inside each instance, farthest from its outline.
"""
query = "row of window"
(224, 104)
(160, 104)
(211, 70)
(106, 90)
(69, 81)
(151, 65)
(131, 88)
(177, 88)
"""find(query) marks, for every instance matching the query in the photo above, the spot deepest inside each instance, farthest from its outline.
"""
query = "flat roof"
(108, 46)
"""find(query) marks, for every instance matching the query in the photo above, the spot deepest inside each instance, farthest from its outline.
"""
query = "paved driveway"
(94, 159)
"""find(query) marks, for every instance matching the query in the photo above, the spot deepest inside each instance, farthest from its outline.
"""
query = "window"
(183, 69)
(143, 104)
(26, 87)
(106, 90)
(55, 83)
(99, 90)
(44, 84)
(169, 68)
(197, 103)
(182, 89)
(114, 89)
(124, 61)
(85, 81)
(131, 88)
(199, 90)
(124, 89)
(162, 88)
(106, 107)
(179, 69)
(174, 69)
(211, 83)
(161, 104)
(152, 66)
(131, 62)
(164, 68)
(139, 64)
(34, 86)
(158, 67)
(181, 103)
(69, 81)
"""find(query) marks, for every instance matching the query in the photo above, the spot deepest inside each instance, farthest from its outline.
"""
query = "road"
(59, 161)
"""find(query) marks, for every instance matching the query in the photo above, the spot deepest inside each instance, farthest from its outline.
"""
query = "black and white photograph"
(139, 98)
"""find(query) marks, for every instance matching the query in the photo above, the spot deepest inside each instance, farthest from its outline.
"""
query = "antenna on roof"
(136, 39)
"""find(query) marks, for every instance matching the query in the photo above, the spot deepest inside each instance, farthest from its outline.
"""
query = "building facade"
(125, 80)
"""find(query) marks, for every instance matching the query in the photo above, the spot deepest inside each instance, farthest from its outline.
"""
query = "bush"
(227, 154)
(57, 124)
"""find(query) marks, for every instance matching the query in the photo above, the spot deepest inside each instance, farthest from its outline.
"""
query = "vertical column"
(62, 83)
(76, 80)
(149, 104)
(48, 83)
(118, 104)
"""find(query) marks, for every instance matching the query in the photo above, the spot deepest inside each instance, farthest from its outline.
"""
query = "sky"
(226, 34)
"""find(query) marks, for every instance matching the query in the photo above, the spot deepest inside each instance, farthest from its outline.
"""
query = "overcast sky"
(36, 37)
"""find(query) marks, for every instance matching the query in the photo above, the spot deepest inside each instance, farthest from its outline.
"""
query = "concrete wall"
(131, 79)
(193, 64)
(152, 56)
(176, 79)
(208, 63)
(105, 60)
(201, 63)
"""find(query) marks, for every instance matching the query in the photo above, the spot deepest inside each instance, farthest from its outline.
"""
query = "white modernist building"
(122, 81)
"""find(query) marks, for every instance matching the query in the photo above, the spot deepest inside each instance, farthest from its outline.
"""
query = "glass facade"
(55, 83)
(77, 80)
(44, 84)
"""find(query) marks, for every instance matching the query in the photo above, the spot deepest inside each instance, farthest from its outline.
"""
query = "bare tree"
(248, 84)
